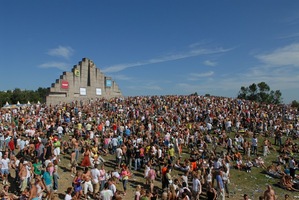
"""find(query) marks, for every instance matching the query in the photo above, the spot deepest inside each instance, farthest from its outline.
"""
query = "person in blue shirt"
(47, 179)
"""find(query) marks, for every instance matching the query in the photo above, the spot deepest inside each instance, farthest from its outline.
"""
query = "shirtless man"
(269, 194)
(73, 163)
(76, 144)
(23, 176)
(33, 192)
(87, 186)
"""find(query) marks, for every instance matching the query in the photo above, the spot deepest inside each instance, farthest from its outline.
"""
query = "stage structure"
(84, 82)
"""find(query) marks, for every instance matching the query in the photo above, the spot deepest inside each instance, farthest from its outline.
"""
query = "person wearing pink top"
(125, 177)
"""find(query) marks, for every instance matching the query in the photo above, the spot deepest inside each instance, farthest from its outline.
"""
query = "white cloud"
(197, 76)
(209, 63)
(286, 56)
(192, 53)
(61, 51)
(59, 65)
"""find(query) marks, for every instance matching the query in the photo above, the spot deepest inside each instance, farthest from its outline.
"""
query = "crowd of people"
(146, 135)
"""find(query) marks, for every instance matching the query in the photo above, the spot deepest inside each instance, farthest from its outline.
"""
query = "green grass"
(254, 183)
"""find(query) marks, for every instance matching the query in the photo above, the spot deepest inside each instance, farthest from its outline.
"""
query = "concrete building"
(84, 82)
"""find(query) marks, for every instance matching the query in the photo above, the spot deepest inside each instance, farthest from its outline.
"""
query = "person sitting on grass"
(287, 183)
(248, 165)
(239, 164)
(275, 170)
(184, 167)
(259, 162)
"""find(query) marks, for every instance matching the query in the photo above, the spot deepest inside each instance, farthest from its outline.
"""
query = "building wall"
(84, 82)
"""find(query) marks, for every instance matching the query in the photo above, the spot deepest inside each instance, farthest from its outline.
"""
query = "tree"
(23, 96)
(295, 104)
(260, 92)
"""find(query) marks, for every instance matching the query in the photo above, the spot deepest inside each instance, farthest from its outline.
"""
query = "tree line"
(23, 96)
(260, 92)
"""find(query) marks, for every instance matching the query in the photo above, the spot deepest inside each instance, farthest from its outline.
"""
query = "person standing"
(151, 177)
(292, 166)
(23, 175)
(137, 158)
(112, 186)
(68, 195)
(73, 163)
(102, 177)
(118, 154)
(86, 159)
(87, 185)
(59, 130)
(95, 175)
(106, 194)
(5, 165)
(220, 186)
(269, 193)
(196, 186)
(77, 185)
(125, 177)
(129, 154)
(254, 143)
(114, 143)
(33, 192)
(56, 151)
(55, 176)
(47, 179)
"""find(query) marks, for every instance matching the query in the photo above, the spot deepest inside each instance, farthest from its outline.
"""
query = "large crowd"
(147, 135)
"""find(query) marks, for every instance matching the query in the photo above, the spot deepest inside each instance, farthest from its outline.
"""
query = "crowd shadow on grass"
(65, 169)
(110, 163)
(61, 195)
(67, 157)
(13, 187)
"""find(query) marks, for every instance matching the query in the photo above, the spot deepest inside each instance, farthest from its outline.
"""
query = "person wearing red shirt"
(11, 145)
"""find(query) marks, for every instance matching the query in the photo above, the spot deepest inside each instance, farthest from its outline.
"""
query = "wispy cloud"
(196, 76)
(59, 65)
(286, 56)
(121, 77)
(210, 63)
(61, 51)
(293, 35)
(191, 53)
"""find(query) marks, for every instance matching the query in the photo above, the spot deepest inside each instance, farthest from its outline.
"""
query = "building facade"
(84, 82)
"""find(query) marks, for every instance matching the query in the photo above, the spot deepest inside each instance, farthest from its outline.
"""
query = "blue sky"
(154, 47)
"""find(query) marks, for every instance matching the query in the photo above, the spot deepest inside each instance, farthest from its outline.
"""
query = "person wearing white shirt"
(4, 163)
(112, 186)
(292, 166)
(196, 187)
(59, 131)
(254, 144)
(1, 141)
(119, 154)
(68, 195)
(106, 194)
(95, 177)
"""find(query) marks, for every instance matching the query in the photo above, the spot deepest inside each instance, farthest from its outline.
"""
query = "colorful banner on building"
(64, 84)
